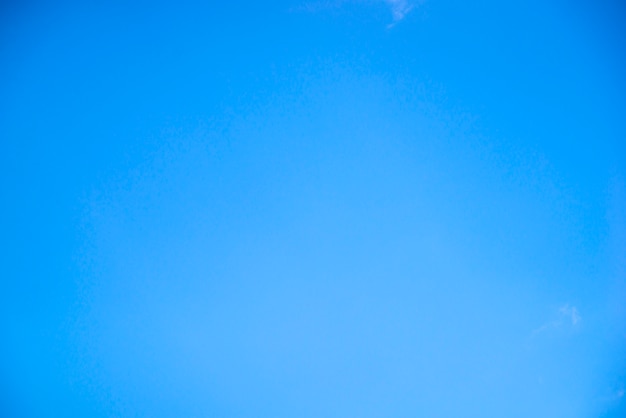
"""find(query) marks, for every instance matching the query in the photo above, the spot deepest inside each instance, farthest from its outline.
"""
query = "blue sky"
(313, 209)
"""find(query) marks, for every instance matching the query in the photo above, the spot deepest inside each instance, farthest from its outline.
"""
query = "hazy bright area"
(317, 209)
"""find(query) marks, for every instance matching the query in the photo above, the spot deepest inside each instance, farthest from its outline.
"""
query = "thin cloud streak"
(567, 316)
(399, 8)
(570, 313)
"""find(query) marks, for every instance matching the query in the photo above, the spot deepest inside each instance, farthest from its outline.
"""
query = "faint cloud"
(399, 8)
(571, 313)
(567, 316)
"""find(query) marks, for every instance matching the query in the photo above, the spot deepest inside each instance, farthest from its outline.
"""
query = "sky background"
(313, 209)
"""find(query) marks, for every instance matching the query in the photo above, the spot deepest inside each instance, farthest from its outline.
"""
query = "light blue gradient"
(313, 209)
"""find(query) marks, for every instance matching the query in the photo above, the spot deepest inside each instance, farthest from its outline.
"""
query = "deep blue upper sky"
(313, 209)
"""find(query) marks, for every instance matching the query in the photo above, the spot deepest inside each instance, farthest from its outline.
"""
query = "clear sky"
(309, 208)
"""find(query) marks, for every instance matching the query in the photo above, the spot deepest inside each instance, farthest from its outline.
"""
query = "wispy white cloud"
(399, 8)
(570, 313)
(567, 316)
